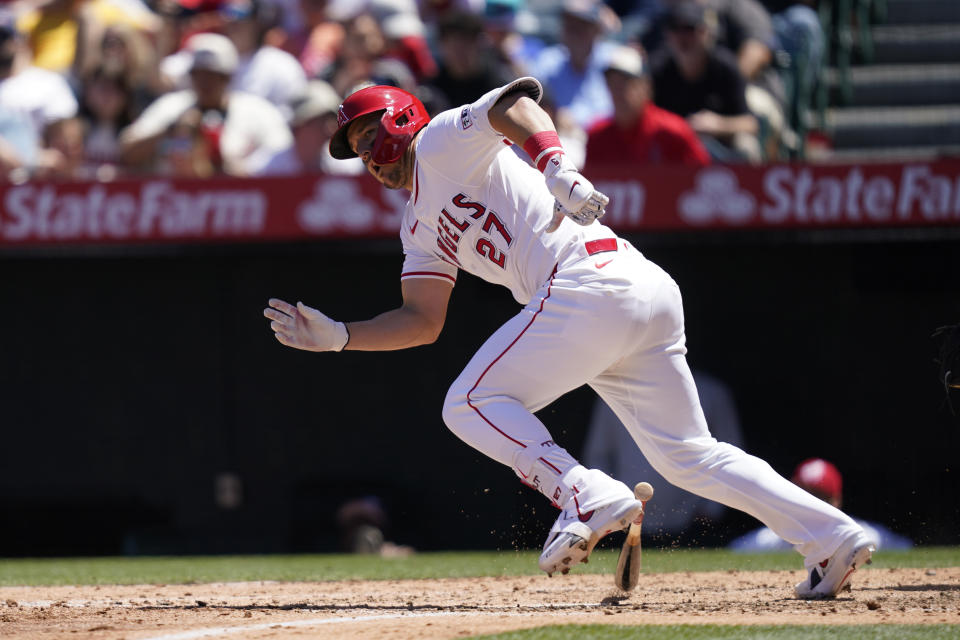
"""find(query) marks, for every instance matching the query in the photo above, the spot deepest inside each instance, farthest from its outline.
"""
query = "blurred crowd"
(96, 89)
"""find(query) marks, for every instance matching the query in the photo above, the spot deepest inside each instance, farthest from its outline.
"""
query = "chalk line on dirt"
(406, 615)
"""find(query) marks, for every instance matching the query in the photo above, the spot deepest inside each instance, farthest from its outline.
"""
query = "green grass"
(735, 632)
(179, 570)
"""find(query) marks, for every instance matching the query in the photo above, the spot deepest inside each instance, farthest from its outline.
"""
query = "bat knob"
(643, 491)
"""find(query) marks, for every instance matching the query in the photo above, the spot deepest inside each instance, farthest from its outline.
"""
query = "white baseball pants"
(619, 328)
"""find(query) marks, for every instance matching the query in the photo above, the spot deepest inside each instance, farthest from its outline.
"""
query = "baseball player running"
(595, 311)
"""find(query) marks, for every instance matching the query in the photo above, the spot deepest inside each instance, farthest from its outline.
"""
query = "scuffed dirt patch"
(419, 609)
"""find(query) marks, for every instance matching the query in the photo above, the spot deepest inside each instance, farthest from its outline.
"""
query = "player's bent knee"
(455, 409)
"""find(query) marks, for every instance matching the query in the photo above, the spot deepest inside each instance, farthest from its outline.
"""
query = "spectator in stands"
(468, 67)
(703, 84)
(677, 514)
(512, 48)
(744, 28)
(433, 11)
(106, 108)
(66, 137)
(122, 51)
(291, 19)
(18, 144)
(799, 33)
(243, 131)
(639, 131)
(572, 71)
(314, 122)
(822, 479)
(188, 150)
(57, 30)
(640, 19)
(263, 70)
(363, 44)
(318, 42)
(406, 38)
(31, 99)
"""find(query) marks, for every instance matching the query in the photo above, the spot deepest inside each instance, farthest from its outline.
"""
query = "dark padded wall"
(130, 380)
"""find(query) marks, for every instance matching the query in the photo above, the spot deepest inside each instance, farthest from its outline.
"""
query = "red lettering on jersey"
(447, 241)
(445, 230)
(493, 221)
(461, 201)
(448, 253)
(487, 249)
(462, 226)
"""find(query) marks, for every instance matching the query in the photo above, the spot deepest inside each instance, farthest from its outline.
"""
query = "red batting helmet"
(404, 115)
(819, 477)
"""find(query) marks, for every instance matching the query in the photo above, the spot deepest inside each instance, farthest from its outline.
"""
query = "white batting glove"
(302, 327)
(575, 196)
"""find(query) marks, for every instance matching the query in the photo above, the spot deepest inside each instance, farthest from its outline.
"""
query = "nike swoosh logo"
(575, 183)
(601, 265)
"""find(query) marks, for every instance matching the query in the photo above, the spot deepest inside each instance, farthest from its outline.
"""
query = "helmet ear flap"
(395, 134)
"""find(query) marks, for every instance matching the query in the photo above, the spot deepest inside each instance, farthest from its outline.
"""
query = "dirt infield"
(401, 609)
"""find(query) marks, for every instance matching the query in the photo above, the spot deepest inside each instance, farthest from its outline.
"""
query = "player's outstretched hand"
(302, 327)
(575, 196)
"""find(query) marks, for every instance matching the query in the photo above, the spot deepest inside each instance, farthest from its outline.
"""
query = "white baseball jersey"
(476, 205)
(614, 322)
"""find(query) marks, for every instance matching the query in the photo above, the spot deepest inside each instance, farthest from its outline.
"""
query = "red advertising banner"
(306, 207)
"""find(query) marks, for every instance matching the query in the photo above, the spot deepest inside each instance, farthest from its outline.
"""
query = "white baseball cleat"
(574, 535)
(826, 579)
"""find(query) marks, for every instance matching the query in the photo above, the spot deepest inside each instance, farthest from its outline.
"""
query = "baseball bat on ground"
(628, 566)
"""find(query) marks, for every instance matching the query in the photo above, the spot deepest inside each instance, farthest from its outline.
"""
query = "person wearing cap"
(244, 130)
(572, 71)
(262, 69)
(314, 121)
(31, 101)
(639, 132)
(702, 83)
(822, 479)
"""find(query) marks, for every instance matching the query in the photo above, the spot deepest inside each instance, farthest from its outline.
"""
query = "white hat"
(626, 60)
(402, 24)
(213, 52)
(318, 99)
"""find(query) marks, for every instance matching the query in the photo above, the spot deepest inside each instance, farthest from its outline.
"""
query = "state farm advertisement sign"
(226, 209)
(785, 196)
(305, 207)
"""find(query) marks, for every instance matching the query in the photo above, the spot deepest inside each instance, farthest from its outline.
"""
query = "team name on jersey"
(451, 228)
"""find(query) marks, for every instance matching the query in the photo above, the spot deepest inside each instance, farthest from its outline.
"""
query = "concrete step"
(876, 127)
(900, 84)
(922, 11)
(895, 43)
